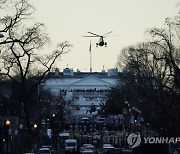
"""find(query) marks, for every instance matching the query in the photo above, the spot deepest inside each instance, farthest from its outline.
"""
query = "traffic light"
(47, 120)
(53, 119)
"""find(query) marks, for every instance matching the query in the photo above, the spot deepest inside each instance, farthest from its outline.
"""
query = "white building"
(81, 88)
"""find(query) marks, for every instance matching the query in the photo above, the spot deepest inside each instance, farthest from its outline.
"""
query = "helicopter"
(101, 41)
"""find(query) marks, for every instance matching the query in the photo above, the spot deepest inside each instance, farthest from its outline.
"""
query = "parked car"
(87, 147)
(48, 146)
(84, 120)
(44, 151)
(70, 145)
(62, 138)
(106, 149)
(101, 120)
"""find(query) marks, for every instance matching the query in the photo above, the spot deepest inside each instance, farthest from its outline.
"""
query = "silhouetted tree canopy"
(154, 67)
(20, 48)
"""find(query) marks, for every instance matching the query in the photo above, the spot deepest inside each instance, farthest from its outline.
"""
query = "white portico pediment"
(91, 81)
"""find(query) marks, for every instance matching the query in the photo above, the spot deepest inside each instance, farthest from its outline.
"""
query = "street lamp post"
(126, 114)
(35, 126)
(20, 134)
(8, 123)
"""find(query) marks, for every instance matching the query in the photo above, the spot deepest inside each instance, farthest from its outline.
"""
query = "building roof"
(69, 73)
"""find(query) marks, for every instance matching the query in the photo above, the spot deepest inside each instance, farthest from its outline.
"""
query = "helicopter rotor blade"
(107, 33)
(94, 34)
(112, 36)
(90, 36)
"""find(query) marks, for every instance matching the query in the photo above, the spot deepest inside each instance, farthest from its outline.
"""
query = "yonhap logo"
(134, 139)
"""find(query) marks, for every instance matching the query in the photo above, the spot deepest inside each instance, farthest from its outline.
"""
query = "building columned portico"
(81, 88)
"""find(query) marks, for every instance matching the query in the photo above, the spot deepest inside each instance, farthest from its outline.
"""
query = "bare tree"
(155, 64)
(20, 49)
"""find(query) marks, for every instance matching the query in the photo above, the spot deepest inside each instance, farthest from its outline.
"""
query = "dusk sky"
(71, 19)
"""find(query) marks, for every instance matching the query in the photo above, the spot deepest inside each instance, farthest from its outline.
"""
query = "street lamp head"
(53, 115)
(35, 126)
(8, 122)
